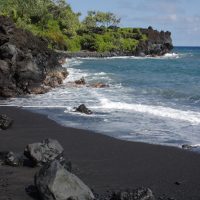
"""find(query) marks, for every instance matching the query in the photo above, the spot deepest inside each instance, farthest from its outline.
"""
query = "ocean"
(151, 100)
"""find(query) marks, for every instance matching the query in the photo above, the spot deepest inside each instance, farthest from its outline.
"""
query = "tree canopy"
(97, 19)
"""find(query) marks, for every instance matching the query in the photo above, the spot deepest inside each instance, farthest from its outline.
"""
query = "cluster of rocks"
(54, 179)
(82, 81)
(5, 122)
(26, 64)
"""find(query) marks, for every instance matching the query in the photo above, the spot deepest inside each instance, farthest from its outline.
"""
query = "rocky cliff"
(157, 43)
(26, 64)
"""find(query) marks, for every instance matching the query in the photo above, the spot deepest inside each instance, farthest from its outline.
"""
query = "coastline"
(102, 162)
(91, 54)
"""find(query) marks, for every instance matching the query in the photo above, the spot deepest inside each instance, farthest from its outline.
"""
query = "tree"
(97, 19)
(67, 19)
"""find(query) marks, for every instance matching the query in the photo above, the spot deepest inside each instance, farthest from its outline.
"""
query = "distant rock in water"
(99, 85)
(5, 122)
(54, 182)
(26, 64)
(83, 109)
(80, 81)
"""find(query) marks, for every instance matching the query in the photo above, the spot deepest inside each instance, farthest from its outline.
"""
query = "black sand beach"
(103, 163)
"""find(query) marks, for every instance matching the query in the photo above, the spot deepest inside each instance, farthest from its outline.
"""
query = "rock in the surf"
(187, 147)
(44, 152)
(5, 122)
(136, 194)
(54, 182)
(80, 81)
(83, 109)
(99, 85)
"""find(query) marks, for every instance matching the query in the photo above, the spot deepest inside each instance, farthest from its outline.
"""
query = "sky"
(181, 17)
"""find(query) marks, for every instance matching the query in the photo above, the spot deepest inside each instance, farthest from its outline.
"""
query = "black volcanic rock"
(11, 159)
(54, 182)
(44, 152)
(5, 122)
(157, 44)
(80, 81)
(137, 194)
(83, 109)
(26, 63)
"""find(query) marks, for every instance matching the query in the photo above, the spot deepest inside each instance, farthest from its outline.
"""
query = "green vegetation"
(56, 21)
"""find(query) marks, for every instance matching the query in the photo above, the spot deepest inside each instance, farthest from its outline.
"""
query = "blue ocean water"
(152, 100)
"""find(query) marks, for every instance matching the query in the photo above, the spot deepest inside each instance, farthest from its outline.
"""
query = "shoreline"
(102, 162)
(190, 148)
(91, 54)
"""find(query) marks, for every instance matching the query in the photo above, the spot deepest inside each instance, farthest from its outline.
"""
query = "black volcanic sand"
(103, 163)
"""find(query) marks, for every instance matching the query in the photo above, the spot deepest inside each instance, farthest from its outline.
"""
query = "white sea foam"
(171, 55)
(166, 56)
(160, 111)
(100, 74)
(75, 74)
(72, 62)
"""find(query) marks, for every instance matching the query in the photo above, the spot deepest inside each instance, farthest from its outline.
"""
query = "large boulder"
(5, 122)
(54, 182)
(83, 109)
(137, 194)
(44, 152)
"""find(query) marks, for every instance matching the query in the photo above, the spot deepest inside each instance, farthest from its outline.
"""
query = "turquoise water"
(153, 100)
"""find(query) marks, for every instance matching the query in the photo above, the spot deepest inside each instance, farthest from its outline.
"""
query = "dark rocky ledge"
(26, 64)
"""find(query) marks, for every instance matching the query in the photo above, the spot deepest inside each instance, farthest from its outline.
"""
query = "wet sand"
(102, 162)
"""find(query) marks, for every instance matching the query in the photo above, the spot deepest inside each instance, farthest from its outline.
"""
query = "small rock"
(186, 147)
(5, 122)
(11, 159)
(177, 183)
(3, 157)
(14, 160)
(81, 81)
(83, 109)
(137, 194)
(99, 85)
(54, 182)
(44, 152)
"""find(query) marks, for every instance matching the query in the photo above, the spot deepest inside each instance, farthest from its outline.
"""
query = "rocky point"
(26, 64)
